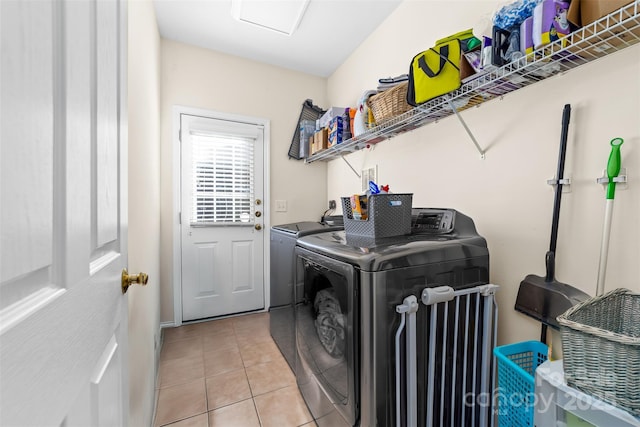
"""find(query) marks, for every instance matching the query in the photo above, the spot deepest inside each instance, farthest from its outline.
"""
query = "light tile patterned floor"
(227, 373)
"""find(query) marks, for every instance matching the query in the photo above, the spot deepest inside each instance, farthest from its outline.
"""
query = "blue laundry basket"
(517, 365)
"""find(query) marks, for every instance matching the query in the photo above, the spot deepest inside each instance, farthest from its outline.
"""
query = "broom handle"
(566, 115)
(550, 259)
(604, 247)
(613, 170)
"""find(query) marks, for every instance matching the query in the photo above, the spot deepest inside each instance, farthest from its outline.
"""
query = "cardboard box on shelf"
(584, 12)
(320, 141)
(466, 67)
(309, 146)
(335, 124)
(335, 137)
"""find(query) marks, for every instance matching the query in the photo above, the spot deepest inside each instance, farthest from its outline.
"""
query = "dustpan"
(545, 298)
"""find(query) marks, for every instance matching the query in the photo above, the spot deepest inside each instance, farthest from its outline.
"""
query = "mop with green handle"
(613, 169)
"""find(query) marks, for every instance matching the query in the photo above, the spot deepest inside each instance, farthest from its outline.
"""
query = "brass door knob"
(130, 279)
(258, 227)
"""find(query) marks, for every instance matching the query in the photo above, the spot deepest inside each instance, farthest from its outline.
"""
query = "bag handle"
(444, 58)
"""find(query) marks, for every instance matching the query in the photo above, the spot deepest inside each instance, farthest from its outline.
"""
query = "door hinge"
(179, 217)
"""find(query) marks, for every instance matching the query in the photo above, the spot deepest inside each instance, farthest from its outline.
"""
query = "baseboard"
(157, 351)
(167, 325)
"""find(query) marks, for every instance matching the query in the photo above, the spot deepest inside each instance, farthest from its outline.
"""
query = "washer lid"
(305, 228)
(423, 247)
(394, 252)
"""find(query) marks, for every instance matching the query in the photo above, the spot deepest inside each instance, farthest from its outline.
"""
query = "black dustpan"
(544, 298)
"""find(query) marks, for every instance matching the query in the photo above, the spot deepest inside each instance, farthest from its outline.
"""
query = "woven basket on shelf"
(390, 103)
(601, 347)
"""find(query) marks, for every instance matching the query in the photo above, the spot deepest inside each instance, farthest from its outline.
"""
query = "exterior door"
(222, 217)
(63, 317)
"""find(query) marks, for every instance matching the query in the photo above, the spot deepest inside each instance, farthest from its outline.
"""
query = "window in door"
(223, 180)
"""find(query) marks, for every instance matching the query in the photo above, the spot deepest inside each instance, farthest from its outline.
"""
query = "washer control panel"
(432, 221)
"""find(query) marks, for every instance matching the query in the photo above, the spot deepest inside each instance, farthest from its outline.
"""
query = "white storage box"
(330, 114)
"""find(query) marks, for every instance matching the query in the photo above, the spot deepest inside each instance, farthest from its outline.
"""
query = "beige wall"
(199, 78)
(144, 208)
(506, 194)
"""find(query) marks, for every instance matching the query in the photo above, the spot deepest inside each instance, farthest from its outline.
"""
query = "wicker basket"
(390, 103)
(601, 346)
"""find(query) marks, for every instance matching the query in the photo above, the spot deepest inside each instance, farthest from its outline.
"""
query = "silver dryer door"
(326, 336)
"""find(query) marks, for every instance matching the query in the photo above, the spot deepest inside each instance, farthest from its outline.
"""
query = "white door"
(63, 317)
(221, 217)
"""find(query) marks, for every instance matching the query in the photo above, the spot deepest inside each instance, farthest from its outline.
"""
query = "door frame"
(178, 110)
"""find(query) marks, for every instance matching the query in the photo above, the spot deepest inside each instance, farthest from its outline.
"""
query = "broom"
(545, 298)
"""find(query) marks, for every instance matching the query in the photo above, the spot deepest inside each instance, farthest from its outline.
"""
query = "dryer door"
(326, 337)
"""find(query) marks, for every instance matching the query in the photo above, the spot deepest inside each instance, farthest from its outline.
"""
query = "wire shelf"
(609, 34)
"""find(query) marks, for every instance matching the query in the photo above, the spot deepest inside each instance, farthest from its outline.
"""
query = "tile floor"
(227, 373)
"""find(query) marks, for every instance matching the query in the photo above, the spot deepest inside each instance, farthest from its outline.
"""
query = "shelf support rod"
(466, 128)
(349, 164)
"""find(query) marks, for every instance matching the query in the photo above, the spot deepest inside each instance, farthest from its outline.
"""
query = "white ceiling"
(328, 33)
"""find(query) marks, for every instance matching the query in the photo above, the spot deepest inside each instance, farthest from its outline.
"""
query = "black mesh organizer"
(309, 112)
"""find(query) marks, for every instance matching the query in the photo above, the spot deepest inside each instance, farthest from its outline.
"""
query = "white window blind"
(223, 180)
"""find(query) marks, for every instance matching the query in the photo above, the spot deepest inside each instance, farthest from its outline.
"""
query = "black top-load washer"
(283, 242)
(347, 289)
